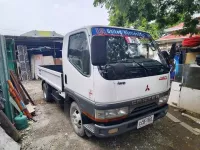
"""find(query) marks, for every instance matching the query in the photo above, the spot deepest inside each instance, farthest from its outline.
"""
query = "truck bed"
(53, 75)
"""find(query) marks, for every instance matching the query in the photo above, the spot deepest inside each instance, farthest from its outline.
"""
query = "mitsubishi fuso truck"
(115, 80)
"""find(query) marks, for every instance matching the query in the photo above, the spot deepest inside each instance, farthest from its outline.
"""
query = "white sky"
(62, 16)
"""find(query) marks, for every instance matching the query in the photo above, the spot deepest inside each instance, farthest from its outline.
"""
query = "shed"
(37, 33)
(22, 48)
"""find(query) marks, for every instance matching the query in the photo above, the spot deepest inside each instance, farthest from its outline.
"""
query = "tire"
(47, 92)
(76, 119)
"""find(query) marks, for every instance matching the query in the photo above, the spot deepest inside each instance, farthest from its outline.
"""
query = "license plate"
(145, 121)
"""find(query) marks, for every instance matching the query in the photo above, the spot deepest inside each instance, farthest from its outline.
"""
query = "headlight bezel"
(111, 113)
(163, 100)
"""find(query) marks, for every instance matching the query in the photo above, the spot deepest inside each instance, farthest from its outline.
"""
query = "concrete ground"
(54, 131)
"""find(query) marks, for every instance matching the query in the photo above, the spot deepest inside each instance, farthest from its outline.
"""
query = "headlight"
(111, 113)
(163, 100)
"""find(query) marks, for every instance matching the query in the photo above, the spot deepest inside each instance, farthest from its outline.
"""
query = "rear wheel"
(76, 119)
(47, 92)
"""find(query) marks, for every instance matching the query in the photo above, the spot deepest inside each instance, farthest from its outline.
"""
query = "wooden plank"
(30, 99)
(17, 99)
(18, 88)
(14, 104)
(30, 108)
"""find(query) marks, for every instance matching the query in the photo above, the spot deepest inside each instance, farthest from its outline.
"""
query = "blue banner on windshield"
(118, 31)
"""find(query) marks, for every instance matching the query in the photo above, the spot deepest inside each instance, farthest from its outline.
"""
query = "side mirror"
(198, 60)
(98, 50)
(166, 57)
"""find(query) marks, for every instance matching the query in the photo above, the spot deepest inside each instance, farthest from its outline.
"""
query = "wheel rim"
(76, 119)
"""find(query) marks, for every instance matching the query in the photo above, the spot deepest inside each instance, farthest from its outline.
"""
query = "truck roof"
(91, 26)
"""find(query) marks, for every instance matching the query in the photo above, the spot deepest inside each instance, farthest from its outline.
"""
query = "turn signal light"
(112, 131)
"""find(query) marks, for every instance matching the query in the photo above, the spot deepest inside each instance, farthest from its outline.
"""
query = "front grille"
(142, 109)
(145, 107)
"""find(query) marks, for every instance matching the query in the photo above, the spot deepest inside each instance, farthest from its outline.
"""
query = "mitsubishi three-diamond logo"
(147, 88)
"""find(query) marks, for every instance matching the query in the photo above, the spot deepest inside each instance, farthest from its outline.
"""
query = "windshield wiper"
(133, 61)
(158, 63)
(146, 70)
(126, 61)
(121, 61)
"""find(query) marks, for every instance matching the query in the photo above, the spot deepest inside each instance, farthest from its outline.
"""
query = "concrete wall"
(186, 98)
(190, 99)
(6, 142)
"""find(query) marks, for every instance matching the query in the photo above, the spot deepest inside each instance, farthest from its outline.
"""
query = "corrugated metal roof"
(37, 33)
(173, 37)
(181, 25)
(175, 28)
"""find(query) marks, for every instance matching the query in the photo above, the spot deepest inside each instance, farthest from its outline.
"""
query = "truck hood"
(116, 91)
(140, 87)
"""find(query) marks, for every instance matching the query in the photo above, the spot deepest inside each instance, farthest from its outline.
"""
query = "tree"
(164, 13)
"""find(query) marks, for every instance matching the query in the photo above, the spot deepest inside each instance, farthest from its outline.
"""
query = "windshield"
(129, 54)
(127, 48)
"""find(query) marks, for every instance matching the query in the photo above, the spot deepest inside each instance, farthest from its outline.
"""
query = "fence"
(4, 95)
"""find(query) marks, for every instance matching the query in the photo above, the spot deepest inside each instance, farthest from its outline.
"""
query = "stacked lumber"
(22, 99)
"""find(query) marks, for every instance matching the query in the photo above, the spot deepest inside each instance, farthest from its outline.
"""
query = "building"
(169, 38)
(30, 49)
(37, 33)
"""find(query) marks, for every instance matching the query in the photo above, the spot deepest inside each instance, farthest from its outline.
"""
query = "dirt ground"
(54, 131)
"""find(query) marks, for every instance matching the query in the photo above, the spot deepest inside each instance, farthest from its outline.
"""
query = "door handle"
(65, 79)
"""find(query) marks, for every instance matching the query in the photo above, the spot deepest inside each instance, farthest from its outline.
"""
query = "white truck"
(115, 79)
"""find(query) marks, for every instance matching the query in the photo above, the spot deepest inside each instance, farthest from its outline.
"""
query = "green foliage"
(165, 13)
(152, 28)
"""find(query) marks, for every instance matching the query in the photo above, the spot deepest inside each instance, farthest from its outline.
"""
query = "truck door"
(77, 70)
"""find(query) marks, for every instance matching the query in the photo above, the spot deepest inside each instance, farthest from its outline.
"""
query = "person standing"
(172, 54)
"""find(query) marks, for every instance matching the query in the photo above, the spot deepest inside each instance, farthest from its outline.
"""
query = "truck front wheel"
(76, 119)
(46, 92)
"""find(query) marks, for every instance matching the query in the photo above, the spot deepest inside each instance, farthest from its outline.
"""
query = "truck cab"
(116, 80)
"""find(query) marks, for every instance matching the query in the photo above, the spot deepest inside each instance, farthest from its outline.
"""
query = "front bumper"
(103, 131)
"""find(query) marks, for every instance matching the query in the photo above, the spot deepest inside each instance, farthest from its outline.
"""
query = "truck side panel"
(53, 78)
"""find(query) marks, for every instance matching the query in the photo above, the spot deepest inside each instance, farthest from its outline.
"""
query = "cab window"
(78, 53)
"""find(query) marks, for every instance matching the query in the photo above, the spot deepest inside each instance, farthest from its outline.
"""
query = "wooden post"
(23, 88)
(17, 86)
(8, 127)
